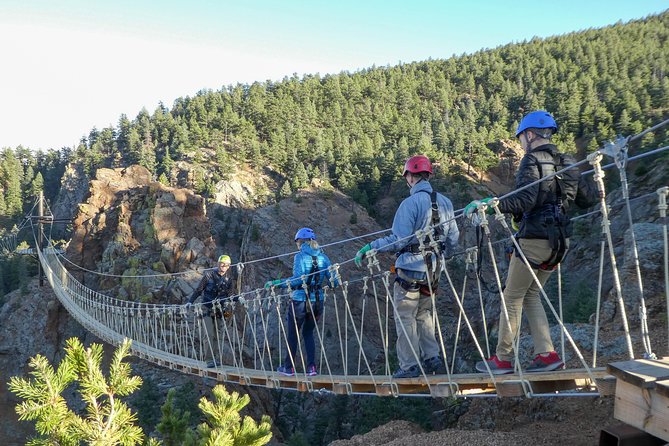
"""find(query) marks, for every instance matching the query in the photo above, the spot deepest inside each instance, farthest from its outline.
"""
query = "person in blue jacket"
(312, 265)
(411, 291)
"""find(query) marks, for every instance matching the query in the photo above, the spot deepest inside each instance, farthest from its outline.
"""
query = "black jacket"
(531, 206)
(213, 286)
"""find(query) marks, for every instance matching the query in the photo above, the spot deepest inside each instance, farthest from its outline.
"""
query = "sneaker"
(434, 366)
(541, 363)
(411, 372)
(311, 370)
(497, 366)
(288, 371)
(212, 364)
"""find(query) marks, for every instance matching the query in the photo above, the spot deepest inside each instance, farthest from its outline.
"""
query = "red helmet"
(417, 164)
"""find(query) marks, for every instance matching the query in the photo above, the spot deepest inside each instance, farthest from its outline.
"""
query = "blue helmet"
(539, 119)
(305, 234)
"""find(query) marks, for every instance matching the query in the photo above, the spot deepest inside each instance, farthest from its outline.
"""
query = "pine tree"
(224, 425)
(36, 185)
(12, 172)
(108, 420)
(163, 179)
(3, 207)
(285, 190)
(175, 424)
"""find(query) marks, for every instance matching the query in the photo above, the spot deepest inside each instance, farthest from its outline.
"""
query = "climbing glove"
(271, 283)
(361, 254)
(471, 208)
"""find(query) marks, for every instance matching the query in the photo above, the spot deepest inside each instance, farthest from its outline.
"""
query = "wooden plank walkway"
(467, 384)
(439, 385)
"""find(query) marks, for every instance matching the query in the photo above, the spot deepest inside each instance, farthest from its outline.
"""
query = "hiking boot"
(311, 370)
(545, 363)
(212, 364)
(288, 371)
(497, 366)
(411, 372)
(434, 366)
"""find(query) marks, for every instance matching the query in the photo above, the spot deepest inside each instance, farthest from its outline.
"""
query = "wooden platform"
(642, 394)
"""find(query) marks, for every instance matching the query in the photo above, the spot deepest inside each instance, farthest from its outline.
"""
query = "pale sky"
(67, 66)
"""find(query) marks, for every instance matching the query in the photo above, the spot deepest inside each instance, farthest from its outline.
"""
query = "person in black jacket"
(543, 235)
(215, 285)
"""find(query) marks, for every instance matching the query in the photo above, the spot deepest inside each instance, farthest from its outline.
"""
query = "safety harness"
(433, 267)
(313, 285)
(553, 218)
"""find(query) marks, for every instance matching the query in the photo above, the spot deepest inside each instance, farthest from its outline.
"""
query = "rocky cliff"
(130, 225)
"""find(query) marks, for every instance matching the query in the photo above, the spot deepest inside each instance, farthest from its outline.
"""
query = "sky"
(67, 66)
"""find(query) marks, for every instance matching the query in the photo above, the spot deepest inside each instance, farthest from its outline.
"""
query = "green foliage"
(285, 191)
(175, 424)
(255, 233)
(16, 272)
(641, 169)
(146, 402)
(108, 420)
(163, 179)
(298, 439)
(224, 425)
(149, 232)
(186, 399)
(581, 303)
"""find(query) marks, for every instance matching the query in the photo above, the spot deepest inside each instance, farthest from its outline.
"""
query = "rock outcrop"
(73, 189)
(131, 225)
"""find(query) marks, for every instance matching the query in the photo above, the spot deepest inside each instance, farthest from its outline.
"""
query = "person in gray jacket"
(412, 298)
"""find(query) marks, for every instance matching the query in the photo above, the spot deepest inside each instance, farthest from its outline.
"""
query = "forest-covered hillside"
(355, 129)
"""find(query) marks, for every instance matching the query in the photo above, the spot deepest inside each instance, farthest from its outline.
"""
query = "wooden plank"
(343, 389)
(513, 388)
(640, 372)
(662, 387)
(642, 408)
(606, 386)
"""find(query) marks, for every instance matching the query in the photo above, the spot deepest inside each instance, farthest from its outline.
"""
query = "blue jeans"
(296, 319)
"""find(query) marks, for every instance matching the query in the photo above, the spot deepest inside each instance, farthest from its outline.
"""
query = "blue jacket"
(302, 266)
(415, 213)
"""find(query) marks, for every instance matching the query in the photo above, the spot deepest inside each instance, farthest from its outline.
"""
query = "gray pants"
(414, 313)
(522, 293)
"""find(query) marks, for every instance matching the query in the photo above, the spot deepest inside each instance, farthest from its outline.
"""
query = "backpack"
(314, 286)
(549, 215)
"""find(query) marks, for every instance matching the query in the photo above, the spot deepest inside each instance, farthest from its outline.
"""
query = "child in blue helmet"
(312, 264)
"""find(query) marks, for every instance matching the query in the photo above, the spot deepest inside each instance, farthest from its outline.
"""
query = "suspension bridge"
(355, 334)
